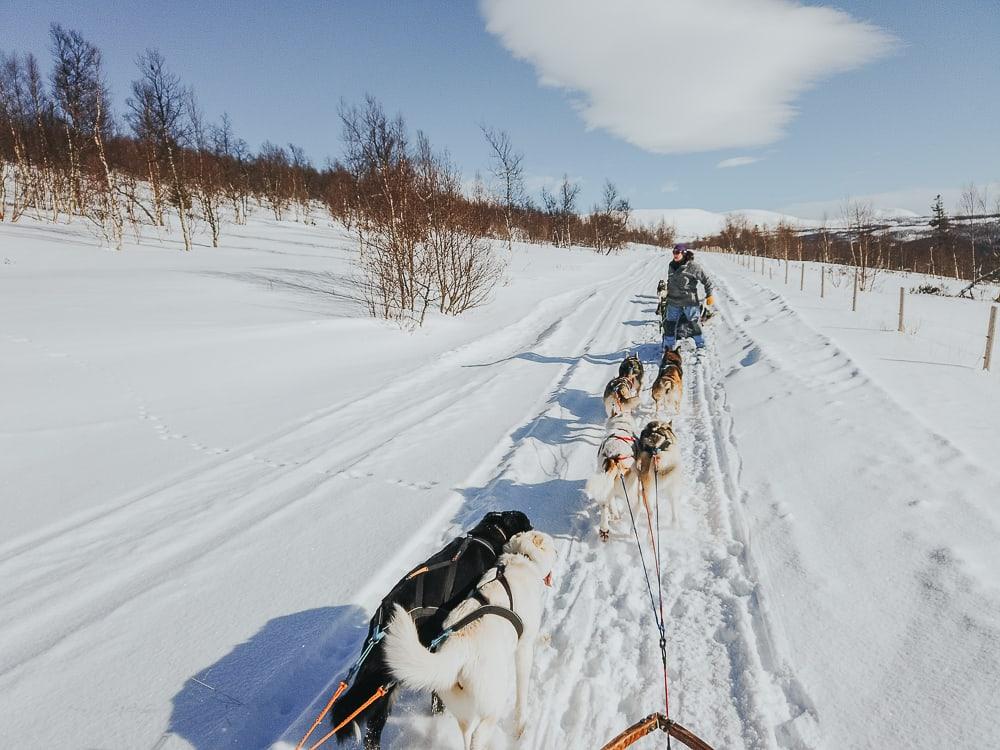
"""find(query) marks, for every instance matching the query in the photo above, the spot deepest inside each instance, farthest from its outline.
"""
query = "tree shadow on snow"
(251, 695)
(544, 359)
(551, 505)
(314, 290)
(557, 431)
(587, 407)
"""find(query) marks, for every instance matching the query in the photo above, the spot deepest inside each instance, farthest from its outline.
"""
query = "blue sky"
(895, 99)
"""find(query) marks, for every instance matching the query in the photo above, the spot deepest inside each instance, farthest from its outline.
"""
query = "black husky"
(429, 592)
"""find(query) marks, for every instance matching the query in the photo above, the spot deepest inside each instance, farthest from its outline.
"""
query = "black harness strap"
(491, 609)
(419, 613)
(449, 581)
(418, 597)
(484, 543)
(418, 610)
(506, 586)
(507, 613)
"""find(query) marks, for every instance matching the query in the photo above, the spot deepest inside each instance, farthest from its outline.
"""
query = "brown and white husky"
(668, 388)
(620, 396)
(631, 367)
(615, 462)
(659, 464)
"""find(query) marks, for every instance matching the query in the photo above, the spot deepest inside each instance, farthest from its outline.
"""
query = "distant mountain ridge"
(697, 222)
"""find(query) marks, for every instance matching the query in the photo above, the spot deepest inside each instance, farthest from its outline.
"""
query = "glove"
(710, 300)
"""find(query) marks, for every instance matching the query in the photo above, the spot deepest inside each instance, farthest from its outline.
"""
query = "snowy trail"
(598, 667)
(873, 538)
(835, 558)
(200, 538)
(754, 615)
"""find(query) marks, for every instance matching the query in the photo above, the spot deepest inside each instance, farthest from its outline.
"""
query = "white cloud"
(674, 76)
(737, 161)
(669, 187)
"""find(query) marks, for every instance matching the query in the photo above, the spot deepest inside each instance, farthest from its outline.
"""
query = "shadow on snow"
(249, 697)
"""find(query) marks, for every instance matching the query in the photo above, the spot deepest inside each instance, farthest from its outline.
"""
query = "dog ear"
(538, 540)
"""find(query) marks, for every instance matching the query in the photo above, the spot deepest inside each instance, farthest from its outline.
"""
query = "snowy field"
(213, 465)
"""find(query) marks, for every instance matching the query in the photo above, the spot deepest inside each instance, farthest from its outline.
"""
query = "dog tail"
(413, 664)
(600, 485)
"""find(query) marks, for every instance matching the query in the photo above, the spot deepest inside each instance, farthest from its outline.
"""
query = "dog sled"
(653, 723)
(685, 328)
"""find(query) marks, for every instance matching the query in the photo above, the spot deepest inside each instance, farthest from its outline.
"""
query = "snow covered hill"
(214, 465)
(697, 222)
(692, 223)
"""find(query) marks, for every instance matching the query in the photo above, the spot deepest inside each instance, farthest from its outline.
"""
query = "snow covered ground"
(213, 465)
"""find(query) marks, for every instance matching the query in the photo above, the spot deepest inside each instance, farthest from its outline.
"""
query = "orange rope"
(375, 696)
(340, 689)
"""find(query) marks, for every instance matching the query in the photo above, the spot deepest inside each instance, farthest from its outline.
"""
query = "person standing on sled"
(683, 276)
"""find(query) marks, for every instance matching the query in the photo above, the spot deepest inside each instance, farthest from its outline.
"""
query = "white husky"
(615, 462)
(473, 669)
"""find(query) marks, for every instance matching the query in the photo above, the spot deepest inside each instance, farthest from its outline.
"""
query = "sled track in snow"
(530, 440)
(597, 666)
(96, 563)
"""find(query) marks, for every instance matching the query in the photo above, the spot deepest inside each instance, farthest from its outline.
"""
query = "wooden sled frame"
(649, 725)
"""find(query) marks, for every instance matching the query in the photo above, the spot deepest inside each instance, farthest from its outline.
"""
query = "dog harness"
(624, 437)
(655, 452)
(419, 610)
(666, 368)
(506, 613)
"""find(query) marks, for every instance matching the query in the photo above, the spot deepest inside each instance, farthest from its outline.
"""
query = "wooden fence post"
(902, 297)
(990, 331)
(802, 279)
(786, 270)
(854, 298)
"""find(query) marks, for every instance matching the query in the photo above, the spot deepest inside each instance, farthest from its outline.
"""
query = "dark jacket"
(682, 283)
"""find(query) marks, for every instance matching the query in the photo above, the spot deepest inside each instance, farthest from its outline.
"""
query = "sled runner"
(685, 328)
(649, 725)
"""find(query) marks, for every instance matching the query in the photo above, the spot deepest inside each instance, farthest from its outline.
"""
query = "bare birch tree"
(206, 179)
(508, 174)
(859, 217)
(157, 114)
(568, 193)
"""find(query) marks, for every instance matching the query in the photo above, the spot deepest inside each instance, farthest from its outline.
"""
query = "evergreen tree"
(939, 219)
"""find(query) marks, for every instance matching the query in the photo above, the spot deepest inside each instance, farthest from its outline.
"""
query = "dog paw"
(519, 729)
